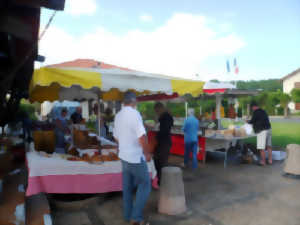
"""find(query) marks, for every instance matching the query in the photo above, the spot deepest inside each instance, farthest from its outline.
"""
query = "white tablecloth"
(43, 166)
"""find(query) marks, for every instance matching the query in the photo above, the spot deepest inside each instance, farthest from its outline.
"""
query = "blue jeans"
(135, 175)
(190, 148)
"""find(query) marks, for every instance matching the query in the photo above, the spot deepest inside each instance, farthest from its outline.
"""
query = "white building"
(290, 82)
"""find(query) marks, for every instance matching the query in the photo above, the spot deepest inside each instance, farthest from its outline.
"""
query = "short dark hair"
(253, 103)
(129, 97)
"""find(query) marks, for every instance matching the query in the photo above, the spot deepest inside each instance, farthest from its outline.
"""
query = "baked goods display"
(44, 140)
(113, 156)
(95, 158)
(82, 140)
(227, 132)
(73, 151)
(240, 132)
(209, 132)
(232, 131)
(93, 141)
(109, 147)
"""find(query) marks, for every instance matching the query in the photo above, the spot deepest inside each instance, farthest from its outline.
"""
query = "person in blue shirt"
(61, 129)
(190, 129)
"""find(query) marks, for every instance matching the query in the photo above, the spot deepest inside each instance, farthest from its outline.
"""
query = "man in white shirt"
(130, 134)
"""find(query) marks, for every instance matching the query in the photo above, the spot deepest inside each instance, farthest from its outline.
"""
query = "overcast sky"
(180, 38)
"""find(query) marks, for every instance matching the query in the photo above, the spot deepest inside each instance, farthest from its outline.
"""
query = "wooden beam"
(16, 27)
(50, 4)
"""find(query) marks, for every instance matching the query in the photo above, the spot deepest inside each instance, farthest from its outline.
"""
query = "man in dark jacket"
(76, 117)
(262, 127)
(163, 138)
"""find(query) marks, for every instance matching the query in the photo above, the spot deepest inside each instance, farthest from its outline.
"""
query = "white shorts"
(264, 139)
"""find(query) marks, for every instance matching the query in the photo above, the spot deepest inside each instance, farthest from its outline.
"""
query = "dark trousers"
(161, 156)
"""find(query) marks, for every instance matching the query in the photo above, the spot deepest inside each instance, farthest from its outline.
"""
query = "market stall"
(77, 172)
(220, 91)
(221, 138)
(212, 136)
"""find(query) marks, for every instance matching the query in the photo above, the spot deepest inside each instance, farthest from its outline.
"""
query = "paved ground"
(238, 195)
(285, 120)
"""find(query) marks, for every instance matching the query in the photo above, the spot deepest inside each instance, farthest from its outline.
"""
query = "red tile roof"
(290, 75)
(88, 63)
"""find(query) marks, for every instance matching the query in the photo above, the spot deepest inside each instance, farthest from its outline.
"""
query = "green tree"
(295, 95)
(147, 109)
(284, 100)
(215, 81)
(262, 99)
(245, 104)
(176, 109)
(272, 102)
(265, 85)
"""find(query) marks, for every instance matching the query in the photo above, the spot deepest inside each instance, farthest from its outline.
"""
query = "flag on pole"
(236, 68)
(228, 66)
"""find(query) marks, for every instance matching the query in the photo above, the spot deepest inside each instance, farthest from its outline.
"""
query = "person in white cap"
(130, 134)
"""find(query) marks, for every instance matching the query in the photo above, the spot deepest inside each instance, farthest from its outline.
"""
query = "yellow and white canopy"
(70, 83)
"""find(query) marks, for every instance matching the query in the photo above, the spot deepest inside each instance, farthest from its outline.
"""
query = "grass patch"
(283, 133)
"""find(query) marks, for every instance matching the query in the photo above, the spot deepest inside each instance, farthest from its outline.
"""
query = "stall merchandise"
(44, 140)
(210, 140)
(56, 173)
(225, 90)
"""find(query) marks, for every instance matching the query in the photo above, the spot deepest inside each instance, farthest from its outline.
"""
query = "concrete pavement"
(238, 195)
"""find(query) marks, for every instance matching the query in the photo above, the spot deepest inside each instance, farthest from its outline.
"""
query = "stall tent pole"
(218, 109)
(236, 107)
(186, 109)
(99, 116)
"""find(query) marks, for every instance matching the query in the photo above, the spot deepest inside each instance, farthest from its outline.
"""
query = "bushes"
(146, 109)
(270, 101)
(27, 110)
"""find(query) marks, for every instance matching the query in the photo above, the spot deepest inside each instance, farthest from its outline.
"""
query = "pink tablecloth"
(74, 184)
(73, 177)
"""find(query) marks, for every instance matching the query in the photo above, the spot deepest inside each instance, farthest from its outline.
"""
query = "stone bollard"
(171, 196)
(292, 162)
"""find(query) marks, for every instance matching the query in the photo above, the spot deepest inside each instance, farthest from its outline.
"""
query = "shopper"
(262, 127)
(190, 129)
(130, 134)
(61, 129)
(163, 138)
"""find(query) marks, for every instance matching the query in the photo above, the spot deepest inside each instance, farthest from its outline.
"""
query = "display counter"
(211, 142)
(55, 174)
(177, 138)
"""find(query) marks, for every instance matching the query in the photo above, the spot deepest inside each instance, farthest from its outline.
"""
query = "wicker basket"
(44, 140)
(81, 138)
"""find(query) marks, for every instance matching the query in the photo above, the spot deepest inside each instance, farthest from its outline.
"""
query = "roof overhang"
(290, 75)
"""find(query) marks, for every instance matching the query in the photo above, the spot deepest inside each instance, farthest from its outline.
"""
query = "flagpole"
(236, 70)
